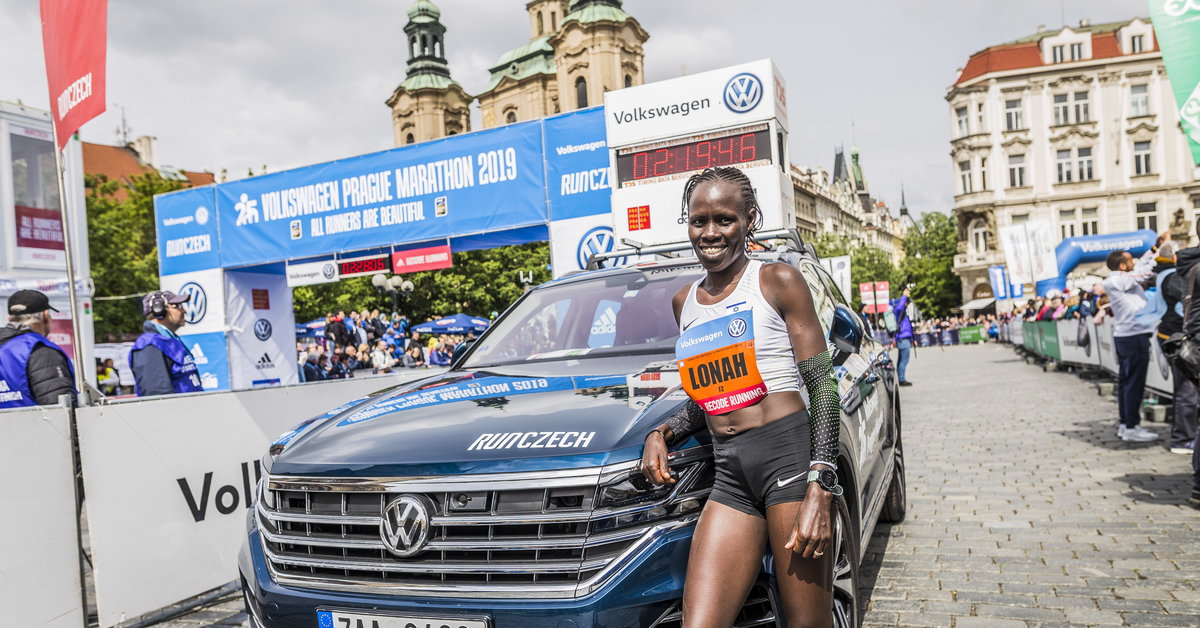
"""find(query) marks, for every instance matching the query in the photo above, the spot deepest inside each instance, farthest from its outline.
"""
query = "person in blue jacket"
(904, 334)
(33, 370)
(161, 363)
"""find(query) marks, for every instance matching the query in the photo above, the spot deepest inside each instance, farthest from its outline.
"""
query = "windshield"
(620, 314)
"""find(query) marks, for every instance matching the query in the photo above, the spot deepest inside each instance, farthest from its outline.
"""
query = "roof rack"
(672, 249)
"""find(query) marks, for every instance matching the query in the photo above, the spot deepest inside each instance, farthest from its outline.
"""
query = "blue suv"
(505, 493)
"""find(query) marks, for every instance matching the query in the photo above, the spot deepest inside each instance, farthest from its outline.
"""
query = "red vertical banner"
(74, 37)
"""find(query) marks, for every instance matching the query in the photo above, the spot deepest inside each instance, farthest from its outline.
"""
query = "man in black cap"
(161, 363)
(33, 370)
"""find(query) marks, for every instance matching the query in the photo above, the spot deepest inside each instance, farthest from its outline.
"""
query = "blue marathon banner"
(469, 184)
(187, 231)
(577, 175)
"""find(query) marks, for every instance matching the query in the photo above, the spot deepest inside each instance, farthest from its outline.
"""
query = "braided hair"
(734, 176)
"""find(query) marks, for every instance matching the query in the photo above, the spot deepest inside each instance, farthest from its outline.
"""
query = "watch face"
(828, 478)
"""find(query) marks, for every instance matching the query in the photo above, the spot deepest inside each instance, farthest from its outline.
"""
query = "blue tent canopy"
(456, 324)
(312, 329)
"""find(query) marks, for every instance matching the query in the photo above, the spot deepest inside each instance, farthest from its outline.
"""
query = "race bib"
(717, 364)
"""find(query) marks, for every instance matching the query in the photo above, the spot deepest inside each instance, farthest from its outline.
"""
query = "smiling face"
(718, 224)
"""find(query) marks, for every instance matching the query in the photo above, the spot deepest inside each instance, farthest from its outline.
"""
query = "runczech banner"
(74, 38)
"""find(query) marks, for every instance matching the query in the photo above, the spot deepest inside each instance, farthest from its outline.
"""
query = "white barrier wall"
(1100, 352)
(1070, 350)
(39, 547)
(169, 479)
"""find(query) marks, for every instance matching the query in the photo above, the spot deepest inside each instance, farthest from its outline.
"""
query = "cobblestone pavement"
(1024, 509)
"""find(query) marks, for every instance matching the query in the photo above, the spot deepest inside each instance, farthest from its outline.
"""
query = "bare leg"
(805, 584)
(725, 559)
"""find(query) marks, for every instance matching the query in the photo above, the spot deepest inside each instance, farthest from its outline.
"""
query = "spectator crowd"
(372, 342)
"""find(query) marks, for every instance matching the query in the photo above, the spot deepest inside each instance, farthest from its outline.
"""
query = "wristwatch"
(826, 479)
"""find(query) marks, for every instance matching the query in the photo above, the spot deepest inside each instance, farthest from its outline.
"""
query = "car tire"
(895, 505)
(846, 613)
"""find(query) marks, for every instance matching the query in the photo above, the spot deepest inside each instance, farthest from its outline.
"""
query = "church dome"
(423, 11)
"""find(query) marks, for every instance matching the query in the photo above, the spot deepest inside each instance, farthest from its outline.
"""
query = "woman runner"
(748, 335)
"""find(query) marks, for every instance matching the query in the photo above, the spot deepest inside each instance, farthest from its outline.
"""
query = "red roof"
(1028, 54)
(121, 163)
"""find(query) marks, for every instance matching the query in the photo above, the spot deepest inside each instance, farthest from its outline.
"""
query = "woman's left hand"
(811, 532)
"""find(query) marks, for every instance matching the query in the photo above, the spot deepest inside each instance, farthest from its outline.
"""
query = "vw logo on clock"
(197, 304)
(743, 92)
(598, 240)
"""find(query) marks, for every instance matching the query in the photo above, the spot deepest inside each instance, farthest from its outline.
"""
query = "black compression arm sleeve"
(824, 410)
(686, 421)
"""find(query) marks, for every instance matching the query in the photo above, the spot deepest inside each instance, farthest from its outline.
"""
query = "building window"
(409, 139)
(1076, 52)
(1056, 53)
(554, 21)
(511, 117)
(1016, 171)
(1062, 110)
(1064, 166)
(1139, 101)
(979, 126)
(581, 101)
(980, 235)
(1066, 223)
(1147, 216)
(960, 114)
(628, 81)
(964, 175)
(983, 182)
(541, 24)
(1081, 108)
(1020, 219)
(1012, 115)
(1141, 158)
(1085, 163)
(1196, 209)
(1137, 44)
(1091, 221)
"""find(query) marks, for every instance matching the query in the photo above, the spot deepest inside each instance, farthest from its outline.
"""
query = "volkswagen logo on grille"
(743, 92)
(197, 304)
(405, 526)
(262, 329)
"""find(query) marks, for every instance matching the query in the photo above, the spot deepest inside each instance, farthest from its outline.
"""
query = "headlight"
(633, 489)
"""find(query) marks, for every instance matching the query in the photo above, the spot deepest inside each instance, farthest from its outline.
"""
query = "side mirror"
(846, 334)
(461, 352)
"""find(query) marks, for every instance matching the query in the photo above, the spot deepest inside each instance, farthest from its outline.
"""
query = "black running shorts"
(764, 466)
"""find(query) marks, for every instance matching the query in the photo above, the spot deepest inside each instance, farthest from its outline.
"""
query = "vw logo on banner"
(405, 526)
(598, 240)
(262, 329)
(737, 327)
(197, 304)
(743, 92)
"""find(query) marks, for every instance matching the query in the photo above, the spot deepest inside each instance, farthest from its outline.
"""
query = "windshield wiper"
(606, 352)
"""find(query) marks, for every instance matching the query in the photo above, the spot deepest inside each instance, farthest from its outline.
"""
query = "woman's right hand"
(654, 459)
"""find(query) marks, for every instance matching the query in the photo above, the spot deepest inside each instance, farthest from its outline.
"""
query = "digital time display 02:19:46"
(693, 156)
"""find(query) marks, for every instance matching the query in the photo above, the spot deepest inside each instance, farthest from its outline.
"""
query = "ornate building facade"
(1076, 127)
(577, 51)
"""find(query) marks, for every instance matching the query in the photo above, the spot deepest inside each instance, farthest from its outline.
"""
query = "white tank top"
(723, 367)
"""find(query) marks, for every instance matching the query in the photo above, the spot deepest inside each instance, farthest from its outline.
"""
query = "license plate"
(342, 619)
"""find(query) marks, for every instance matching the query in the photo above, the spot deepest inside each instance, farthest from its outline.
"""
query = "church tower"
(523, 83)
(598, 48)
(428, 104)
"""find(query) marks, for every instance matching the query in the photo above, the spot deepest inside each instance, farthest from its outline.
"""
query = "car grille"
(508, 535)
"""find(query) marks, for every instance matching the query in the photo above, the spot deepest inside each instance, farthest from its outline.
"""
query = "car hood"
(486, 421)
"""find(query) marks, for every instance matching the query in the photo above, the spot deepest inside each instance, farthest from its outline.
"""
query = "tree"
(479, 283)
(122, 247)
(929, 249)
(867, 263)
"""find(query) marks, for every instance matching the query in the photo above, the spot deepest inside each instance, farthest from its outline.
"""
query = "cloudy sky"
(227, 84)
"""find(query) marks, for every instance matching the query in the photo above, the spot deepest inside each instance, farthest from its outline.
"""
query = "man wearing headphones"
(161, 363)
